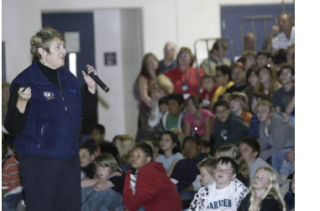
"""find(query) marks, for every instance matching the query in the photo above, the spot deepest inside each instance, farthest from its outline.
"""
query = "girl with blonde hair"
(265, 193)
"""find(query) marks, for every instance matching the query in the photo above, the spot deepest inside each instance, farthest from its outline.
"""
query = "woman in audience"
(148, 75)
(198, 121)
(265, 193)
(186, 79)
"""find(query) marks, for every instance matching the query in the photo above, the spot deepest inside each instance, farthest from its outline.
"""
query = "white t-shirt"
(226, 199)
(281, 40)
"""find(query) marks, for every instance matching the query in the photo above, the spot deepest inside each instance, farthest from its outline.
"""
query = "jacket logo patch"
(48, 95)
(73, 91)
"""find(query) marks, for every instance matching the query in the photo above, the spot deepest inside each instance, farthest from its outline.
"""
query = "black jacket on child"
(269, 203)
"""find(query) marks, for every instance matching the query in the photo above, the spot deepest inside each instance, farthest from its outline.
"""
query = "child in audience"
(208, 89)
(173, 119)
(205, 147)
(252, 81)
(186, 171)
(11, 184)
(276, 134)
(223, 79)
(124, 144)
(198, 121)
(267, 81)
(282, 96)
(228, 128)
(87, 153)
(232, 151)
(249, 58)
(158, 112)
(97, 133)
(169, 144)
(264, 193)
(250, 150)
(238, 76)
(104, 191)
(207, 170)
(225, 192)
(288, 192)
(255, 123)
(288, 165)
(147, 184)
(279, 59)
(157, 90)
(239, 106)
(154, 144)
(263, 58)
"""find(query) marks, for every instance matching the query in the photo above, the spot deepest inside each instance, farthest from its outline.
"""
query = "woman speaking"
(45, 111)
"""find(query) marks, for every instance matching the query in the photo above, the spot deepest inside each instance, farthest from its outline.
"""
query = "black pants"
(51, 184)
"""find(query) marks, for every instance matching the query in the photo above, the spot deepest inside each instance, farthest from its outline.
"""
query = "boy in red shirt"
(147, 184)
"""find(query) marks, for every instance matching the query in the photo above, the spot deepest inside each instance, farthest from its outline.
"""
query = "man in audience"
(168, 63)
(286, 36)
(250, 42)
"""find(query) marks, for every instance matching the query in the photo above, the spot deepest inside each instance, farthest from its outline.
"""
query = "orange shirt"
(10, 174)
(246, 116)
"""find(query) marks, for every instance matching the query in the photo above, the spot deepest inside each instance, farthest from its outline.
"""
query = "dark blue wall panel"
(76, 22)
(231, 17)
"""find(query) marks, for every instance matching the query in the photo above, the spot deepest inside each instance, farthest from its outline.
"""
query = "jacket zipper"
(62, 96)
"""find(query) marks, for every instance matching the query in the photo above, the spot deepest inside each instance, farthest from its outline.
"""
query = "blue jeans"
(100, 200)
(10, 202)
(122, 208)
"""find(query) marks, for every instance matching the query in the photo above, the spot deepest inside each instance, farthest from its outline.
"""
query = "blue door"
(232, 16)
(81, 22)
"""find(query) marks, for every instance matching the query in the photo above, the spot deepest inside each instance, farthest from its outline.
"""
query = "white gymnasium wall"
(111, 107)
(132, 53)
(181, 21)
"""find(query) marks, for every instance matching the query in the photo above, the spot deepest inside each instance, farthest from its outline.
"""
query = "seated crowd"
(218, 137)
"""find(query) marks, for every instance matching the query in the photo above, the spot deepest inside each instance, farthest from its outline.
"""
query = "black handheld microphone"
(96, 78)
